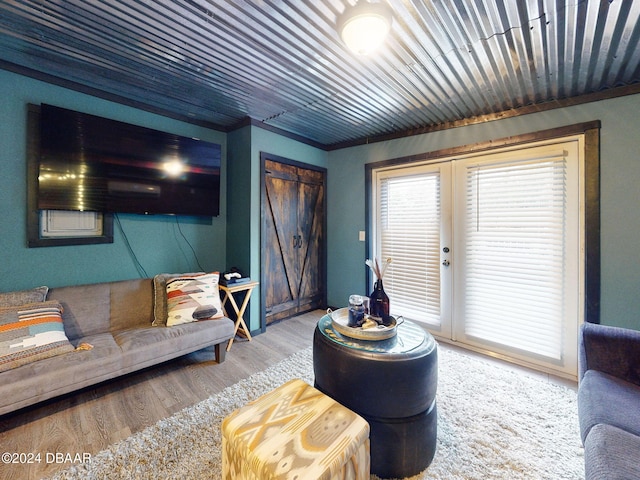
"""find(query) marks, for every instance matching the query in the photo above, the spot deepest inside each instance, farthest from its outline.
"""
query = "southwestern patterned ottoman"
(295, 432)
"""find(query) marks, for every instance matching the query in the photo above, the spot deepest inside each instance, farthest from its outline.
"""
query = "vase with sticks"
(379, 300)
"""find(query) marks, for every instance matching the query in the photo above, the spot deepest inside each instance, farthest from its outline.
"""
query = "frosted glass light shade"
(364, 26)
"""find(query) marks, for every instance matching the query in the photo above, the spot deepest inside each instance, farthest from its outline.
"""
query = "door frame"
(264, 156)
(591, 131)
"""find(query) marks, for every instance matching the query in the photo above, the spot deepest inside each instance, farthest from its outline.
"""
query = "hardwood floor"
(88, 421)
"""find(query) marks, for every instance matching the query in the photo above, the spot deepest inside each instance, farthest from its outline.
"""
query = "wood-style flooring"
(92, 419)
(88, 421)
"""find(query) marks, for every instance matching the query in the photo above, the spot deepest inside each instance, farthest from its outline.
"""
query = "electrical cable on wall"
(189, 243)
(141, 271)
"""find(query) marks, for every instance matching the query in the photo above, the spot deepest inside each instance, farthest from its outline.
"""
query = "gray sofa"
(116, 319)
(609, 401)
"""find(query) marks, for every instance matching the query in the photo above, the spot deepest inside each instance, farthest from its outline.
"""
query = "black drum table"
(392, 383)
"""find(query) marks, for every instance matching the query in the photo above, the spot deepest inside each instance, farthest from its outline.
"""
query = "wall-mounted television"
(89, 163)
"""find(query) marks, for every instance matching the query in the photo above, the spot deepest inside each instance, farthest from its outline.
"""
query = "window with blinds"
(514, 253)
(409, 229)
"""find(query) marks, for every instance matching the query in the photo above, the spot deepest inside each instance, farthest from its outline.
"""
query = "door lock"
(446, 263)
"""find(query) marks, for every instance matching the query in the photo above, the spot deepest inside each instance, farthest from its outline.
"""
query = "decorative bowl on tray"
(370, 329)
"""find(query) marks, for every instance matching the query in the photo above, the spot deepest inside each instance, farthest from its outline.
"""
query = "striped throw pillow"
(31, 332)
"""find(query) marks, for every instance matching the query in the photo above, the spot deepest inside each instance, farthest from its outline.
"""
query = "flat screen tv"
(89, 163)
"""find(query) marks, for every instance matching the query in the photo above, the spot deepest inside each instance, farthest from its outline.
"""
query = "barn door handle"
(297, 241)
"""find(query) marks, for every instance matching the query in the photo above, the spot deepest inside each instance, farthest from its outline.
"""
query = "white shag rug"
(493, 423)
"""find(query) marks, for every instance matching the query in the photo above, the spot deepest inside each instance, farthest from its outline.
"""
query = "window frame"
(591, 131)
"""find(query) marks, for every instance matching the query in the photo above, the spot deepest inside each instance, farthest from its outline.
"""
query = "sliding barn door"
(293, 240)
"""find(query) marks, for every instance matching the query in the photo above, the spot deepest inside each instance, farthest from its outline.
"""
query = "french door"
(487, 250)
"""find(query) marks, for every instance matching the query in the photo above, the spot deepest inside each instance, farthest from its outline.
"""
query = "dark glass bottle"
(379, 304)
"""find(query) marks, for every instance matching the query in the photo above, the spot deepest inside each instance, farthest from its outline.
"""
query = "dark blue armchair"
(609, 401)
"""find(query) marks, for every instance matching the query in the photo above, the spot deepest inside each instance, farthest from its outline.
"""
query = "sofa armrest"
(611, 350)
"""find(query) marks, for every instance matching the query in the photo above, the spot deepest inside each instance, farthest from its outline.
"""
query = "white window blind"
(409, 225)
(514, 272)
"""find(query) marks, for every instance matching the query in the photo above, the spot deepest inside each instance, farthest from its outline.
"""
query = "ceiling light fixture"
(364, 26)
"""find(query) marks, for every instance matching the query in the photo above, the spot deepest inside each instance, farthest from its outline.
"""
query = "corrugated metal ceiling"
(282, 63)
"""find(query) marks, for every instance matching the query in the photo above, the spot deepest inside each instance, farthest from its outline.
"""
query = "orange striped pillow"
(31, 332)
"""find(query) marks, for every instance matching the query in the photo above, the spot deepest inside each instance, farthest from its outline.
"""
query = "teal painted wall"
(239, 193)
(235, 240)
(157, 241)
(620, 196)
(245, 215)
(232, 239)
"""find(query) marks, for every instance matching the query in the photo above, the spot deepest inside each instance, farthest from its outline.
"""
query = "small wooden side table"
(229, 290)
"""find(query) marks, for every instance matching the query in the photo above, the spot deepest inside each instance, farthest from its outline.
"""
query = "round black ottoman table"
(392, 384)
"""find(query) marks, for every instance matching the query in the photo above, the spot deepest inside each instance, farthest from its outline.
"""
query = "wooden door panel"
(277, 290)
(312, 225)
(281, 196)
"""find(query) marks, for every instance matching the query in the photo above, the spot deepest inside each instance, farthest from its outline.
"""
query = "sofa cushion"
(131, 304)
(148, 346)
(193, 299)
(38, 381)
(611, 453)
(160, 295)
(608, 349)
(606, 399)
(31, 332)
(87, 309)
(22, 297)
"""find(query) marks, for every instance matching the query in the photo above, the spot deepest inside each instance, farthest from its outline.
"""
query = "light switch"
(361, 235)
